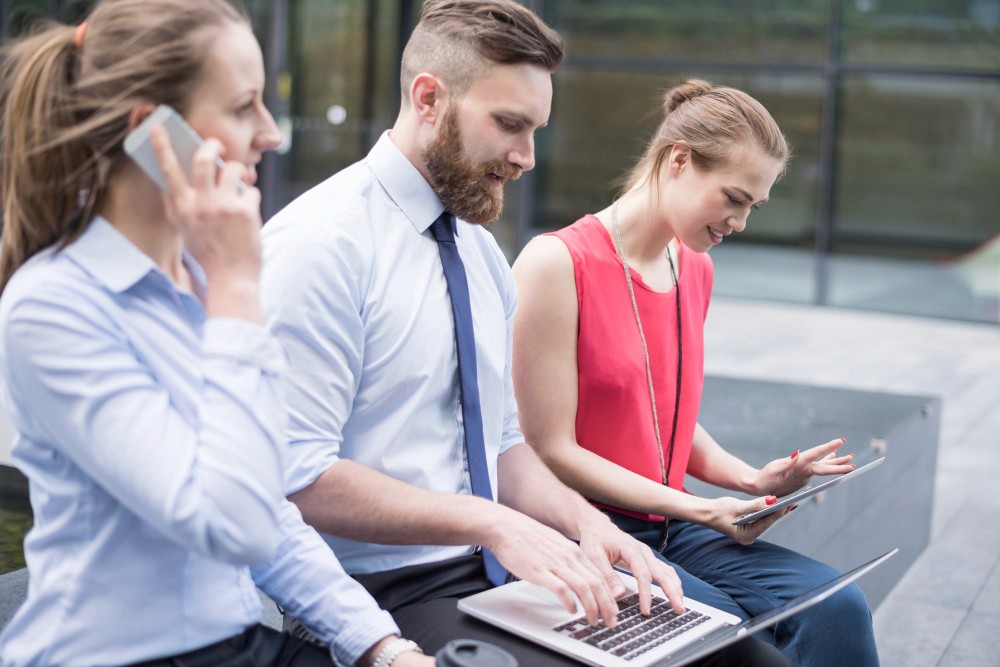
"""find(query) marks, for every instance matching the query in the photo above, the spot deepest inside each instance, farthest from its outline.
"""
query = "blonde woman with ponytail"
(133, 363)
(608, 372)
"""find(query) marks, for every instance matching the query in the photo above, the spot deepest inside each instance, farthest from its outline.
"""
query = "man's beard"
(461, 186)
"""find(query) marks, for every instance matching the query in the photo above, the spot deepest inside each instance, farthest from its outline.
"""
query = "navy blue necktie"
(465, 338)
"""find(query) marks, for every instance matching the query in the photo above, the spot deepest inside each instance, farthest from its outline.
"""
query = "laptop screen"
(812, 597)
(730, 633)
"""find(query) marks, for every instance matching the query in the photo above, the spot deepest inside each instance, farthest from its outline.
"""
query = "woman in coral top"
(608, 372)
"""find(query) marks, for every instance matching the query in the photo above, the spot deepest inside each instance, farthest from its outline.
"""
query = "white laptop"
(664, 639)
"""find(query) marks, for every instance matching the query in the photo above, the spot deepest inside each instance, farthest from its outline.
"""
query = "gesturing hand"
(783, 476)
(216, 214)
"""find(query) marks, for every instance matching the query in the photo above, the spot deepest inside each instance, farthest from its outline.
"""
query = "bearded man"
(395, 307)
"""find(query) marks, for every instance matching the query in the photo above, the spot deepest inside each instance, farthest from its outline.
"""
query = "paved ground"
(946, 610)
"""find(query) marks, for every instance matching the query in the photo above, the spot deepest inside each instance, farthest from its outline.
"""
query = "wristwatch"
(393, 649)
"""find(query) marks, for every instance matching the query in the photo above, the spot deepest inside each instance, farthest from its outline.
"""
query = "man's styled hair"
(457, 41)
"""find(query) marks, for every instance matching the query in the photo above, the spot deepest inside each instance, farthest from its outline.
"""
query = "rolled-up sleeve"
(312, 299)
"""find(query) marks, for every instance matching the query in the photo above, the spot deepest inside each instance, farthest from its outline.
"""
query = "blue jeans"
(748, 580)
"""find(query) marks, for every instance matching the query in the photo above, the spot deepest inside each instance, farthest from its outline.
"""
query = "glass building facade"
(892, 107)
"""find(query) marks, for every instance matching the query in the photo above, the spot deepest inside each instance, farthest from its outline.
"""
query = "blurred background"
(891, 203)
(892, 108)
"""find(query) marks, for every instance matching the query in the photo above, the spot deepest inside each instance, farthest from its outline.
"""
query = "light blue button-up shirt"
(353, 287)
(152, 438)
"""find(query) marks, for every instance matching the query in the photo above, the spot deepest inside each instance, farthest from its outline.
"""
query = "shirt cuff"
(511, 438)
(353, 640)
(244, 341)
(305, 461)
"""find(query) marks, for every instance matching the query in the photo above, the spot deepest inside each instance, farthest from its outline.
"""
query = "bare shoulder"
(544, 258)
(546, 283)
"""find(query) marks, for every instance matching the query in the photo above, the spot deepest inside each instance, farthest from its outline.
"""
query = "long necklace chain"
(665, 465)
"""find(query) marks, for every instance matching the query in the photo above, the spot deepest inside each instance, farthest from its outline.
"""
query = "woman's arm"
(210, 481)
(710, 463)
(546, 384)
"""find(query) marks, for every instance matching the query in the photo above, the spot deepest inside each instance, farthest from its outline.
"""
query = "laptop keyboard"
(635, 634)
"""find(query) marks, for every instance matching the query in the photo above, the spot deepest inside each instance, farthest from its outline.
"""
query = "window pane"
(917, 187)
(780, 30)
(74, 11)
(21, 16)
(958, 33)
(594, 138)
(919, 164)
(327, 48)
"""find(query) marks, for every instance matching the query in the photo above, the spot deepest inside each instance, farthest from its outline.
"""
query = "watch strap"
(392, 650)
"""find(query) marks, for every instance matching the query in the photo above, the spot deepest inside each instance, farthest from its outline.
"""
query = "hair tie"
(81, 30)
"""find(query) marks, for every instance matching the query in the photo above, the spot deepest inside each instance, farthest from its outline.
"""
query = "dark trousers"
(423, 600)
(257, 646)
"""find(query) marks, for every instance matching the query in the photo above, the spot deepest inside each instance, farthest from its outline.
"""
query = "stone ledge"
(761, 421)
(854, 522)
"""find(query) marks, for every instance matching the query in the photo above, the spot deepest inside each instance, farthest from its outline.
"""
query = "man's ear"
(139, 113)
(427, 97)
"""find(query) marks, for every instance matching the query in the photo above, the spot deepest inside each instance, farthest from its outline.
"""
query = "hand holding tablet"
(805, 493)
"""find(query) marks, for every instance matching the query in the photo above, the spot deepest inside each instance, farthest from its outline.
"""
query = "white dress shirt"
(152, 440)
(354, 289)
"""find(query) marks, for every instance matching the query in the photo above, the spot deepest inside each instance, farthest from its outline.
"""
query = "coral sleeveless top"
(614, 417)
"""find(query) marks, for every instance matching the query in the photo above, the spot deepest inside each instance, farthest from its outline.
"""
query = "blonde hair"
(715, 122)
(458, 40)
(66, 106)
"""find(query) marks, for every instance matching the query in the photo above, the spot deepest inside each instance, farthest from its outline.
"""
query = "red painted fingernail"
(795, 453)
(770, 500)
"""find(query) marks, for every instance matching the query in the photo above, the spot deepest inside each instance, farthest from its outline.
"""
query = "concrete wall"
(849, 524)
(6, 436)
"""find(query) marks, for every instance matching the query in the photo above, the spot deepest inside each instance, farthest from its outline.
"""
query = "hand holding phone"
(218, 218)
(183, 139)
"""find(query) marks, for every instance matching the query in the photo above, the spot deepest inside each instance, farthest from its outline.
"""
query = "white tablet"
(805, 493)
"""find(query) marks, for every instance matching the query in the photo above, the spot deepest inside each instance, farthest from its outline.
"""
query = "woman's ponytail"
(42, 173)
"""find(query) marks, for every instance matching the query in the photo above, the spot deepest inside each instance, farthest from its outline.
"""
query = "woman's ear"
(679, 158)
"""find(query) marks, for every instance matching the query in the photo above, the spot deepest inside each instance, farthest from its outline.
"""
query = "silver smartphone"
(183, 138)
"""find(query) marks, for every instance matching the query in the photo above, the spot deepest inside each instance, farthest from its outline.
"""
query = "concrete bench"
(761, 421)
(13, 590)
(851, 523)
